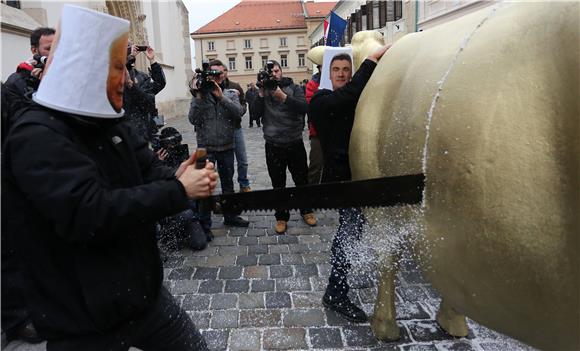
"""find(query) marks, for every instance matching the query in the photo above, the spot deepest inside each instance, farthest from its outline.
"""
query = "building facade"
(253, 32)
(395, 18)
(153, 23)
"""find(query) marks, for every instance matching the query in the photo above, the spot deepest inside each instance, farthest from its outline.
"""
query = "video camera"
(40, 61)
(204, 78)
(266, 78)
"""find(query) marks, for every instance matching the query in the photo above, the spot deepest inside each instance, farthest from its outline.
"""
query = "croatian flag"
(336, 29)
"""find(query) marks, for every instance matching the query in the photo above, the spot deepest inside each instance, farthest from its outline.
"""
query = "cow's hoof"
(452, 322)
(385, 330)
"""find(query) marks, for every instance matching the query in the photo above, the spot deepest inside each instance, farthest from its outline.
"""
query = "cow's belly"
(503, 161)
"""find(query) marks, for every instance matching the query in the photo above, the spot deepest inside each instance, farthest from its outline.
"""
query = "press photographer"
(186, 228)
(282, 105)
(214, 112)
(18, 89)
(140, 91)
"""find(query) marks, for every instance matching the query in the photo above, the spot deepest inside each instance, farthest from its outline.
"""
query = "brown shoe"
(245, 189)
(310, 219)
(280, 227)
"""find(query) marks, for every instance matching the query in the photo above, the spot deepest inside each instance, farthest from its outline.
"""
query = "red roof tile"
(251, 15)
(319, 9)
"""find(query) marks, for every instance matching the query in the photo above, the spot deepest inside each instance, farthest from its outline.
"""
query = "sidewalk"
(252, 289)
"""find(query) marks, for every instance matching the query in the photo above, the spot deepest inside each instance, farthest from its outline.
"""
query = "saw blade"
(378, 192)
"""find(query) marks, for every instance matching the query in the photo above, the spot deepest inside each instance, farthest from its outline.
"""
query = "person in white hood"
(84, 195)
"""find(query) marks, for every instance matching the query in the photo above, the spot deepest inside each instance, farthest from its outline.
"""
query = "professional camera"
(167, 139)
(40, 61)
(266, 78)
(204, 78)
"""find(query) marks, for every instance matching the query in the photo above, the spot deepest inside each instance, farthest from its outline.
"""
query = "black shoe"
(209, 235)
(236, 222)
(345, 308)
(25, 332)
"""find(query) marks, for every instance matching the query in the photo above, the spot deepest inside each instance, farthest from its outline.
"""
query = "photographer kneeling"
(186, 227)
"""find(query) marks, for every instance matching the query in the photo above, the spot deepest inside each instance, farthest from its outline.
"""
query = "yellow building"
(252, 32)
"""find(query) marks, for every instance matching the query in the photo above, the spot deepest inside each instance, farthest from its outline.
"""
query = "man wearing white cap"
(84, 197)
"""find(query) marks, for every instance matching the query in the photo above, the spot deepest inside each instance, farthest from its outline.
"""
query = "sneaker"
(345, 308)
(310, 219)
(236, 222)
(245, 189)
(280, 227)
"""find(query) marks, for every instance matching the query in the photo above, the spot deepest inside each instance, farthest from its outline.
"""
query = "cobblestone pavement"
(254, 290)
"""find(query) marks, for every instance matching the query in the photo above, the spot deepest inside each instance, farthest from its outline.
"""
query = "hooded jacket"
(87, 193)
(282, 122)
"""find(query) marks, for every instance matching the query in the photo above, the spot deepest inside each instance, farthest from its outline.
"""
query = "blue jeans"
(224, 161)
(241, 158)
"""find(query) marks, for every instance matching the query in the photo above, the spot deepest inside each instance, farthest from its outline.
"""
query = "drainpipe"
(304, 9)
(416, 15)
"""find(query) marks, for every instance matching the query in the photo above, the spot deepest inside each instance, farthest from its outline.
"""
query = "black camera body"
(40, 61)
(204, 78)
(266, 78)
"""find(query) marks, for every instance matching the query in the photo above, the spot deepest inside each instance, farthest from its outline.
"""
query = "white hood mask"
(86, 69)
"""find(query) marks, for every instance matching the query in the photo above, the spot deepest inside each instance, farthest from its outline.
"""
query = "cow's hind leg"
(383, 322)
(451, 321)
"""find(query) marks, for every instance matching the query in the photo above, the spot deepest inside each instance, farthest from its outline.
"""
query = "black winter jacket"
(81, 197)
(282, 122)
(332, 113)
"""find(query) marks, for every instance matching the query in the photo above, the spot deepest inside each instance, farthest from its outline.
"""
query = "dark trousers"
(224, 161)
(14, 311)
(164, 327)
(254, 117)
(315, 161)
(293, 157)
(351, 221)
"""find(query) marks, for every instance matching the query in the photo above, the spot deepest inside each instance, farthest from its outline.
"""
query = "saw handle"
(201, 158)
(204, 205)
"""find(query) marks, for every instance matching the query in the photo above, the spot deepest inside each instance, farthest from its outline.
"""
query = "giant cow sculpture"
(487, 106)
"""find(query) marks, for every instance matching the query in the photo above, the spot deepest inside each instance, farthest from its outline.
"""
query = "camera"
(40, 61)
(204, 78)
(142, 47)
(168, 139)
(266, 78)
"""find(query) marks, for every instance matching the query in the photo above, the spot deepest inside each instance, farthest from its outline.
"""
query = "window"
(232, 63)
(376, 15)
(15, 4)
(283, 61)
(363, 19)
(301, 62)
(231, 45)
(248, 62)
(264, 60)
(247, 43)
(283, 42)
(263, 43)
(210, 46)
